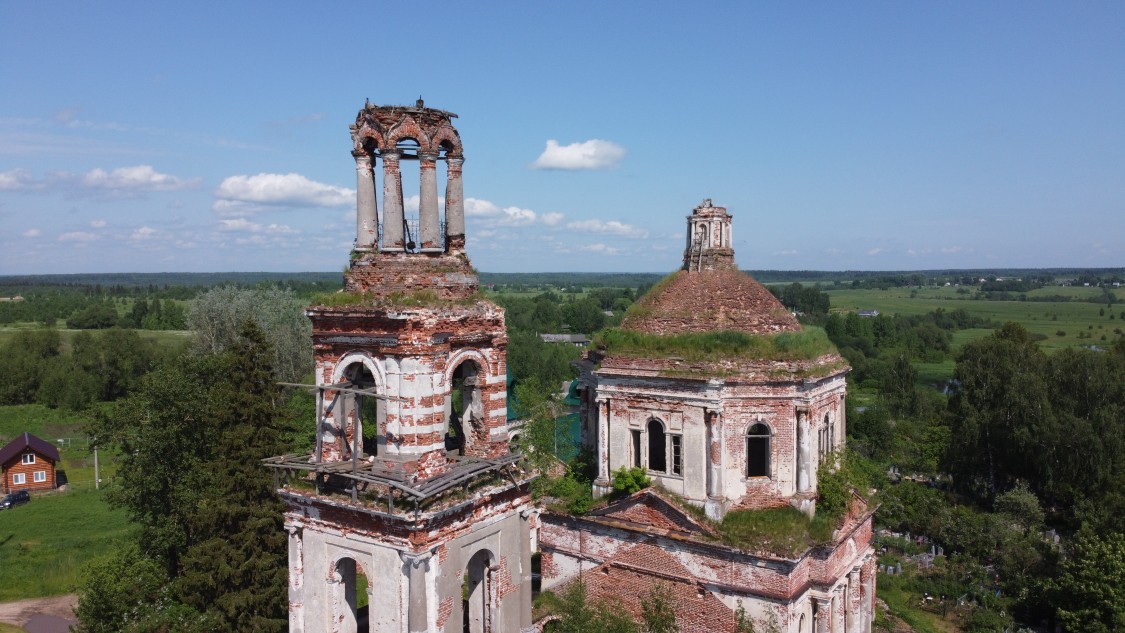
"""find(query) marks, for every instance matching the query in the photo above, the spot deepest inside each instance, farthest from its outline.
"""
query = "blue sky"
(212, 136)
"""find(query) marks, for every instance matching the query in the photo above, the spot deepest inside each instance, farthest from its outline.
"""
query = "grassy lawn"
(164, 338)
(1091, 320)
(45, 544)
(10, 628)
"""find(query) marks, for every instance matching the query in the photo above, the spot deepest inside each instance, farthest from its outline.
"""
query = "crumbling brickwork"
(412, 483)
(726, 434)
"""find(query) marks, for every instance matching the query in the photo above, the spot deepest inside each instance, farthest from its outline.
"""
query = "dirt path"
(42, 610)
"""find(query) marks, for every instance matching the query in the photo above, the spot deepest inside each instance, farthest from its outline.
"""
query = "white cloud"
(139, 178)
(875, 251)
(239, 224)
(493, 215)
(16, 180)
(245, 194)
(949, 250)
(244, 225)
(601, 248)
(98, 224)
(591, 154)
(552, 219)
(787, 253)
(143, 233)
(480, 208)
(411, 203)
(613, 227)
(77, 236)
(31, 233)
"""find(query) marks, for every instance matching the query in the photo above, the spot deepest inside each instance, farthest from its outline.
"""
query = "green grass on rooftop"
(415, 299)
(809, 344)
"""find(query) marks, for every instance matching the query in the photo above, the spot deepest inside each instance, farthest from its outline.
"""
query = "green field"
(1073, 318)
(45, 544)
(163, 338)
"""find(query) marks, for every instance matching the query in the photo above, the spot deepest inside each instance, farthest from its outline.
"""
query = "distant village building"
(28, 463)
(868, 314)
(578, 340)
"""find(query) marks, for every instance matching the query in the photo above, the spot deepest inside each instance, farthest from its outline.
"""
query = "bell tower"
(411, 483)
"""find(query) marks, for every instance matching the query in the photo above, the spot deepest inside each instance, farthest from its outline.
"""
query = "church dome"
(709, 294)
(708, 301)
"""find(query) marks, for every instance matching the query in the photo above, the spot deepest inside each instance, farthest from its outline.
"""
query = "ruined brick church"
(412, 513)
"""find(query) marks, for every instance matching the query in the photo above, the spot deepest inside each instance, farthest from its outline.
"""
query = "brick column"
(392, 201)
(714, 506)
(804, 453)
(602, 481)
(429, 224)
(839, 608)
(296, 578)
(454, 205)
(823, 615)
(855, 598)
(416, 566)
(366, 229)
(714, 455)
(867, 581)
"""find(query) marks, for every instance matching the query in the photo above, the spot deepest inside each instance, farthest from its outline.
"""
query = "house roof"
(24, 441)
(707, 301)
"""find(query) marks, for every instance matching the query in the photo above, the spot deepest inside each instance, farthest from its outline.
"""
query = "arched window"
(758, 451)
(657, 447)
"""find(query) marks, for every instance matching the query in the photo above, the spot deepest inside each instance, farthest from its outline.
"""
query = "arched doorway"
(350, 614)
(476, 593)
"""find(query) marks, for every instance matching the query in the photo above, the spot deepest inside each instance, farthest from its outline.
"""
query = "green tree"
(237, 567)
(1091, 584)
(166, 434)
(580, 614)
(584, 316)
(218, 315)
(191, 439)
(658, 610)
(23, 360)
(130, 593)
(1002, 423)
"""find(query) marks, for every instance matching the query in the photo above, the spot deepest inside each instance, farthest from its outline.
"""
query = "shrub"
(626, 481)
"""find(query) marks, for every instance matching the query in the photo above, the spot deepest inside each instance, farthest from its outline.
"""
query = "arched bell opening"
(465, 409)
(362, 415)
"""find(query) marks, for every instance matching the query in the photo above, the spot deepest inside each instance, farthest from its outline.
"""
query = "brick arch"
(407, 128)
(756, 421)
(334, 563)
(352, 357)
(447, 135)
(460, 356)
(367, 138)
